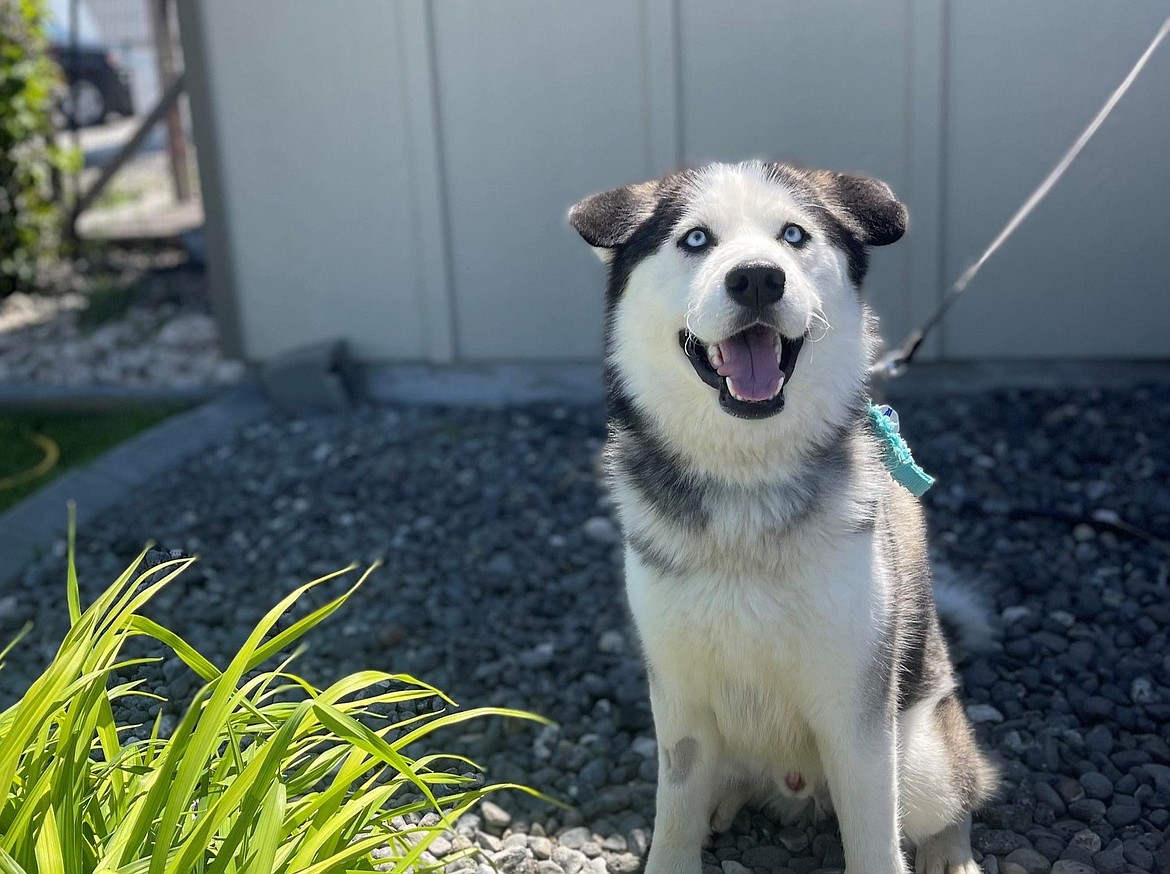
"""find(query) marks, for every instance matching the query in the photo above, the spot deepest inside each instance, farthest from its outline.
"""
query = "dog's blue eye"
(696, 240)
(794, 234)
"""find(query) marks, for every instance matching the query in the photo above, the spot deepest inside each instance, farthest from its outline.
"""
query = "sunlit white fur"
(928, 806)
(760, 659)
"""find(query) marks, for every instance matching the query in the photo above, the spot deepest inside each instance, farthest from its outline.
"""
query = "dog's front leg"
(689, 753)
(859, 755)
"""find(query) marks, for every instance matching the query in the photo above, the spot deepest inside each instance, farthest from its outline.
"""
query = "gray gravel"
(502, 586)
(139, 320)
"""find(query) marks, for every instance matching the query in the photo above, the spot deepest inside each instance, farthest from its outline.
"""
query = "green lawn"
(79, 435)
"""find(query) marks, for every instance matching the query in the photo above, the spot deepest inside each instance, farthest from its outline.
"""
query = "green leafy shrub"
(264, 773)
(29, 218)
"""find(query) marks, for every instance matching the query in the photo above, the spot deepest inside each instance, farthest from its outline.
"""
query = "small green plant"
(264, 773)
(29, 81)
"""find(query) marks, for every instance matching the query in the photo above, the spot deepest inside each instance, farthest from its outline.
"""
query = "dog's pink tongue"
(749, 360)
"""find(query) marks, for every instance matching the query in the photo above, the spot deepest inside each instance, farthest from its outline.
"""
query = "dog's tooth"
(714, 355)
(731, 388)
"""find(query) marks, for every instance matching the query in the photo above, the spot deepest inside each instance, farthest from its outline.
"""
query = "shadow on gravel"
(502, 586)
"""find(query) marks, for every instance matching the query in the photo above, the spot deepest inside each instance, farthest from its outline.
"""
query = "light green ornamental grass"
(263, 773)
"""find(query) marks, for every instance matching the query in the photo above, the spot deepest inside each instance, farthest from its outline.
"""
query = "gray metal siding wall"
(398, 173)
(1087, 275)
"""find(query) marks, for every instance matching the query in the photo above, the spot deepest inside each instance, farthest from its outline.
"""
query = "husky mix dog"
(777, 575)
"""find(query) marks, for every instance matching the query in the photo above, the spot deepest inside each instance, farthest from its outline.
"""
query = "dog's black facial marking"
(649, 236)
(856, 254)
(856, 211)
(632, 222)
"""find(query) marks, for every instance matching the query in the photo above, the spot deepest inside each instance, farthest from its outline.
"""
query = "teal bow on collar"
(896, 454)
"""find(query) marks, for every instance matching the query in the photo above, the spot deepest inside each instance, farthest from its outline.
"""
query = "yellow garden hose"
(42, 467)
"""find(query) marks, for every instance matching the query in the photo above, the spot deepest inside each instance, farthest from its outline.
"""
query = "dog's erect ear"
(867, 207)
(608, 220)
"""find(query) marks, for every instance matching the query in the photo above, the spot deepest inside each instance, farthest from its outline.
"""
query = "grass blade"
(8, 865)
(191, 657)
(49, 852)
(72, 589)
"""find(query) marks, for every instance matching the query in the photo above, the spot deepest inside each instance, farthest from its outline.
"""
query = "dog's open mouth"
(749, 369)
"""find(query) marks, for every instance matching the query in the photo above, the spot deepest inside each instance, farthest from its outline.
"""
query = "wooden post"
(164, 105)
(165, 58)
(74, 184)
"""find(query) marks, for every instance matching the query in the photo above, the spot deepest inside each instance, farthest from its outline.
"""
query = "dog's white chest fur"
(753, 648)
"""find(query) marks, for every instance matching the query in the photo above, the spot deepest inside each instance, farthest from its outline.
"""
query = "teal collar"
(895, 452)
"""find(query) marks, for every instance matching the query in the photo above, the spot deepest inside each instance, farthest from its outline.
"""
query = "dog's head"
(734, 289)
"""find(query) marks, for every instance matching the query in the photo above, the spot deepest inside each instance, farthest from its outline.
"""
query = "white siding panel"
(1086, 275)
(540, 104)
(308, 101)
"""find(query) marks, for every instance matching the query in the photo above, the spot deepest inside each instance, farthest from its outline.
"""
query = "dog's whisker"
(819, 319)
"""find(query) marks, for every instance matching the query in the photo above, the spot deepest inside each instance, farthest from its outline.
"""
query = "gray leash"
(898, 359)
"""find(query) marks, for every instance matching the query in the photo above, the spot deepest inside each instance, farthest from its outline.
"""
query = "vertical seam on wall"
(407, 86)
(647, 89)
(441, 172)
(432, 281)
(676, 76)
(944, 140)
(905, 310)
(658, 20)
(924, 95)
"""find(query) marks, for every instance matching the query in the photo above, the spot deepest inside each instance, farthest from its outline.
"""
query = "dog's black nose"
(755, 285)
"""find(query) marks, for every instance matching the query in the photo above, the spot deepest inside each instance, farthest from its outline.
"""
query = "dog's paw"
(671, 861)
(948, 852)
(936, 863)
(736, 795)
(724, 815)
